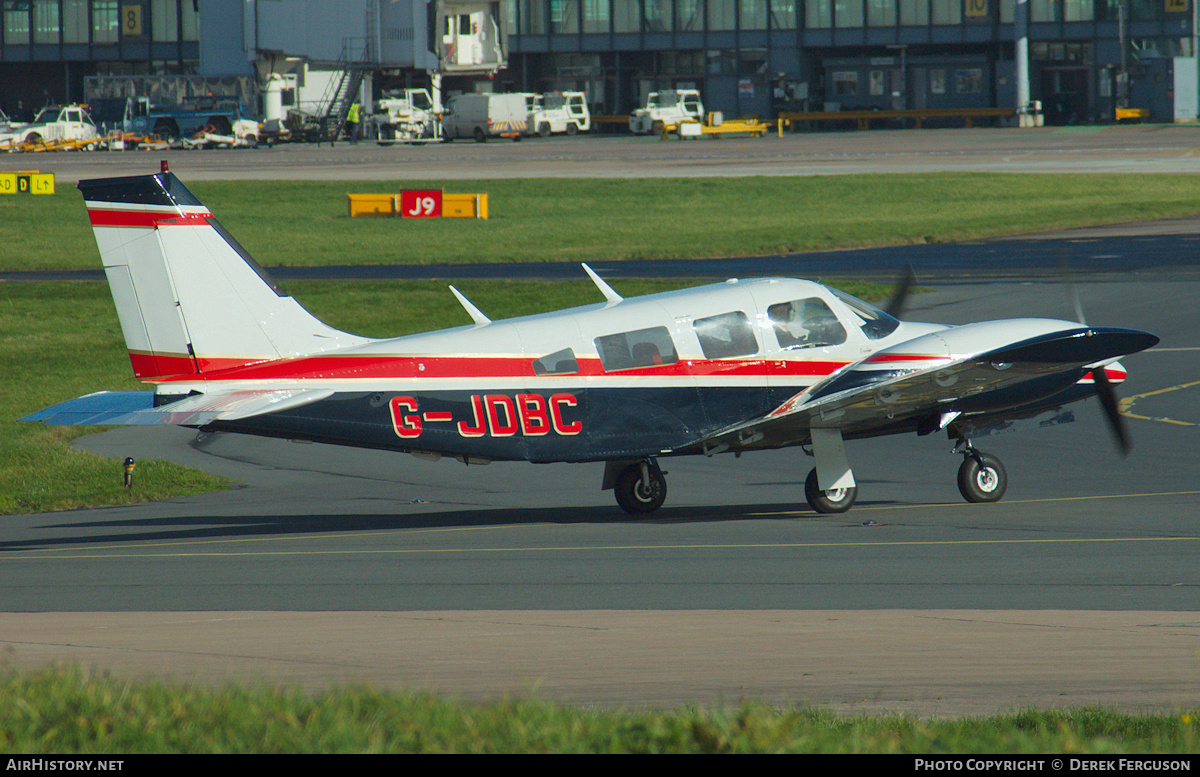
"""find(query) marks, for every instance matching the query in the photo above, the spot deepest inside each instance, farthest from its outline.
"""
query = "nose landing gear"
(981, 477)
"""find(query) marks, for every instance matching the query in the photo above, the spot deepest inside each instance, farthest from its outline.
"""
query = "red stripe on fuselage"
(902, 357)
(178, 366)
(521, 367)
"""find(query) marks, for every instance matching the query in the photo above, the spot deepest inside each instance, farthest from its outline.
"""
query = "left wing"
(135, 408)
(985, 368)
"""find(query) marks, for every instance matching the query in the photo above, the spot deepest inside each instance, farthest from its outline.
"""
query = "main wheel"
(981, 478)
(636, 497)
(835, 500)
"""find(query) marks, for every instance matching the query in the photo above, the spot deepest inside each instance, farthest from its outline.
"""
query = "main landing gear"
(640, 487)
(834, 500)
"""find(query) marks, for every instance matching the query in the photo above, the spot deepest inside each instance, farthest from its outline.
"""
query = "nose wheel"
(981, 477)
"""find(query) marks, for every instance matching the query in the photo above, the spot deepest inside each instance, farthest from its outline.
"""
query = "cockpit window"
(728, 334)
(876, 323)
(805, 323)
(641, 348)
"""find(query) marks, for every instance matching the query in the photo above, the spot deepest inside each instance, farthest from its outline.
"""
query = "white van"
(483, 116)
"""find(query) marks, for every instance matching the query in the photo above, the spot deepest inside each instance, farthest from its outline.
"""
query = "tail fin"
(189, 297)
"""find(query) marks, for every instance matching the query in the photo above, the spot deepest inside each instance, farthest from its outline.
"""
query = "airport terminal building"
(1085, 57)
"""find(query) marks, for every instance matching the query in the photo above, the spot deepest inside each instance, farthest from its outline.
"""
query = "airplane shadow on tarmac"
(200, 527)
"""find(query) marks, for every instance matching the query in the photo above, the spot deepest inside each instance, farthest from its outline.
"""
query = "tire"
(633, 497)
(544, 129)
(837, 500)
(981, 478)
(221, 125)
(480, 135)
(572, 129)
(166, 129)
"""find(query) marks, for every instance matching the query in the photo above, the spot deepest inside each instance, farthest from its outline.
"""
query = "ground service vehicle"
(483, 116)
(554, 112)
(729, 367)
(53, 123)
(670, 107)
(216, 115)
(407, 119)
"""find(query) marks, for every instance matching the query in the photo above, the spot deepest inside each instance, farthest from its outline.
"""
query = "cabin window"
(558, 363)
(805, 323)
(728, 334)
(641, 348)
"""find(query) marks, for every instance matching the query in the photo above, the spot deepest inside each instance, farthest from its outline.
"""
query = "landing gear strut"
(835, 500)
(641, 487)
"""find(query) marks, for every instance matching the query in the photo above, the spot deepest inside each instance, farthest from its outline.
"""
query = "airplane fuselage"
(640, 377)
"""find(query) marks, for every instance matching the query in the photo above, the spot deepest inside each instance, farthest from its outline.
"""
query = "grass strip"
(305, 223)
(68, 711)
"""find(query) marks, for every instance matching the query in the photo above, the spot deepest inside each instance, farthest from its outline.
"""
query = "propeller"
(895, 305)
(1108, 401)
(1104, 388)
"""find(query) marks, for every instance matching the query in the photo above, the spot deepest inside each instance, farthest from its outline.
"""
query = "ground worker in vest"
(352, 123)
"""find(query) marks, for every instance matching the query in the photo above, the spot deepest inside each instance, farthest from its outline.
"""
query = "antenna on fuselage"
(605, 289)
(474, 312)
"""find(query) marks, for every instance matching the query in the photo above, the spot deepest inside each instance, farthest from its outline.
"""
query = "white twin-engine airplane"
(730, 367)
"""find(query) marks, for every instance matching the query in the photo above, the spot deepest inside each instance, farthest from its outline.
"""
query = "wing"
(135, 408)
(1000, 369)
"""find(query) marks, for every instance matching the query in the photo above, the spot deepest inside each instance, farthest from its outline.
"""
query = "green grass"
(301, 223)
(62, 712)
(59, 341)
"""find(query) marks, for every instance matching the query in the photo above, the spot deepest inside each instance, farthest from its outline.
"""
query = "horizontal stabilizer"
(136, 408)
(99, 409)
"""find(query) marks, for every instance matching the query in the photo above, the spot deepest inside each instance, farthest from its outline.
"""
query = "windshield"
(875, 323)
(46, 115)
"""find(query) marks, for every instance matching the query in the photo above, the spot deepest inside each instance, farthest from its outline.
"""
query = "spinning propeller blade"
(895, 305)
(1104, 389)
(1108, 401)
